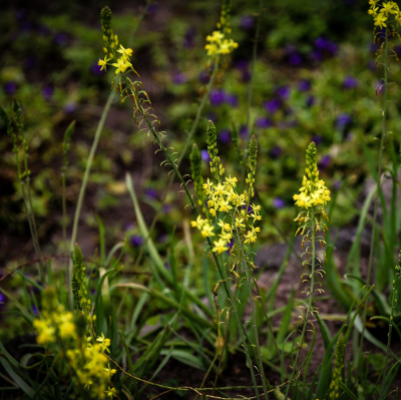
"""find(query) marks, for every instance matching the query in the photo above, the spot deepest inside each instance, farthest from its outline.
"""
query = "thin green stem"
(253, 314)
(251, 82)
(309, 308)
(379, 172)
(83, 187)
(64, 223)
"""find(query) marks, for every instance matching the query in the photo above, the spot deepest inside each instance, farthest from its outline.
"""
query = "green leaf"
(186, 358)
(17, 379)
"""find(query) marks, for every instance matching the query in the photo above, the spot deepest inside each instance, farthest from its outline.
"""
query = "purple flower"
(230, 245)
(379, 87)
(189, 38)
(224, 136)
(217, 97)
(320, 43)
(295, 59)
(317, 139)
(243, 131)
(10, 87)
(310, 101)
(275, 152)
(323, 47)
(304, 85)
(96, 69)
(129, 226)
(205, 155)
(246, 75)
(34, 310)
(204, 77)
(373, 47)
(336, 185)
(152, 193)
(70, 107)
(153, 9)
(278, 203)
(92, 291)
(263, 122)
(29, 62)
(324, 163)
(246, 22)
(350, 82)
(241, 64)
(61, 39)
(331, 48)
(179, 78)
(167, 208)
(342, 121)
(136, 240)
(272, 106)
(3, 299)
(283, 92)
(43, 30)
(231, 99)
(47, 93)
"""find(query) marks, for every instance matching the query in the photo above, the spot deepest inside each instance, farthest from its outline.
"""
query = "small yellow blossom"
(220, 246)
(125, 52)
(380, 20)
(103, 63)
(111, 392)
(121, 65)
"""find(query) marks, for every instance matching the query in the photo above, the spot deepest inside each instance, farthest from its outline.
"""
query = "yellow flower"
(104, 343)
(380, 20)
(219, 246)
(111, 392)
(103, 63)
(121, 65)
(125, 52)
(207, 230)
(250, 237)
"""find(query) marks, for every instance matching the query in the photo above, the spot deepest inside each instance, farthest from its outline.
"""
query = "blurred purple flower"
(283, 91)
(324, 162)
(29, 62)
(323, 47)
(224, 136)
(70, 107)
(47, 93)
(230, 245)
(20, 14)
(3, 299)
(278, 203)
(246, 76)
(310, 101)
(272, 106)
(136, 240)
(295, 59)
(336, 185)
(151, 192)
(317, 139)
(61, 39)
(205, 155)
(342, 121)
(92, 291)
(167, 265)
(231, 99)
(129, 226)
(275, 152)
(167, 208)
(304, 85)
(96, 69)
(217, 97)
(373, 47)
(241, 64)
(246, 22)
(379, 87)
(10, 87)
(204, 77)
(189, 38)
(34, 310)
(263, 122)
(153, 9)
(350, 82)
(243, 131)
(320, 43)
(179, 78)
(43, 30)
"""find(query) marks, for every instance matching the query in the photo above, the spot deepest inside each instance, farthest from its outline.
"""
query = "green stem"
(309, 308)
(83, 186)
(63, 194)
(372, 240)
(253, 315)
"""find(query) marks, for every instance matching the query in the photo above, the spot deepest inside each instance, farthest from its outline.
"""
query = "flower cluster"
(228, 213)
(110, 46)
(219, 43)
(382, 11)
(65, 335)
(313, 191)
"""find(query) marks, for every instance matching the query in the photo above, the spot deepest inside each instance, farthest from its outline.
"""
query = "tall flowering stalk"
(312, 198)
(230, 225)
